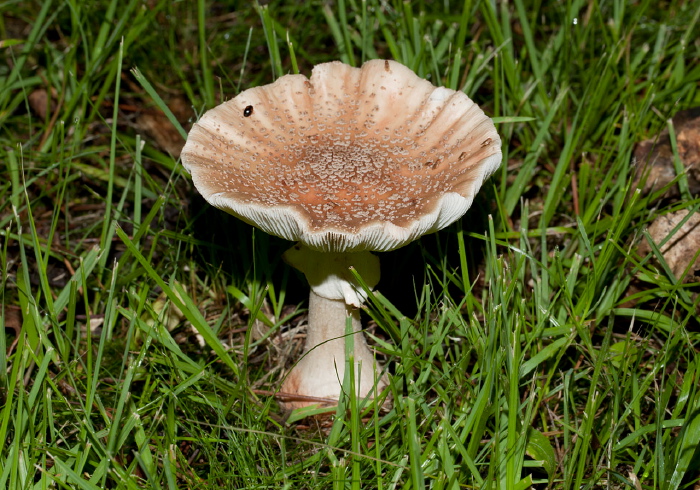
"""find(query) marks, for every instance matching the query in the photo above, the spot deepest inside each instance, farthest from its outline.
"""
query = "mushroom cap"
(348, 160)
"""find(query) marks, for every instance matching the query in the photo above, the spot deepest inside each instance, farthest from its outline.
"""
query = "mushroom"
(348, 161)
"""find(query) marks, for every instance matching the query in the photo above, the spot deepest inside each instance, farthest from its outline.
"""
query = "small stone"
(681, 249)
(654, 157)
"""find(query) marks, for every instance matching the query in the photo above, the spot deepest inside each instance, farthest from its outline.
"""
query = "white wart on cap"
(351, 159)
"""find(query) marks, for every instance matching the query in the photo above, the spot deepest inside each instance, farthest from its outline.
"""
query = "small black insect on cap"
(248, 111)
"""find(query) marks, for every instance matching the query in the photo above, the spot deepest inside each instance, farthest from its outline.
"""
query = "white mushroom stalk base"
(318, 376)
(335, 297)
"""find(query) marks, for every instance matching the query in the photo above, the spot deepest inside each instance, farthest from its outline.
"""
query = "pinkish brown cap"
(351, 159)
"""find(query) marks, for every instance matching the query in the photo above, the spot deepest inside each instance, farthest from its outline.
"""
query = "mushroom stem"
(321, 370)
(335, 296)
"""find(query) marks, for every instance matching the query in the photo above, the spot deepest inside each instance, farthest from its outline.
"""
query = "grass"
(530, 345)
